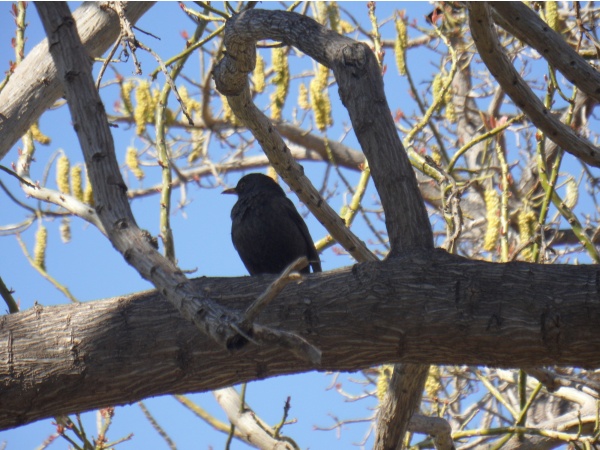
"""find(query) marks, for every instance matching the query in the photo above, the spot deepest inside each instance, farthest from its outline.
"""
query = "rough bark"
(433, 308)
(34, 86)
(231, 78)
(361, 90)
(401, 401)
(89, 121)
(523, 23)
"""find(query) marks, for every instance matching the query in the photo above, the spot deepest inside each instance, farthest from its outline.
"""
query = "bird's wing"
(313, 255)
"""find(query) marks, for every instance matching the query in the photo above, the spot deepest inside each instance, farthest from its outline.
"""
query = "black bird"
(267, 231)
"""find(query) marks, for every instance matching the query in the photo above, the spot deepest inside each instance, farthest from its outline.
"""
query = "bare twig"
(18, 177)
(287, 276)
(8, 298)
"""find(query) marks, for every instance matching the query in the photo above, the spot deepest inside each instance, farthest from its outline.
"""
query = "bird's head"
(254, 182)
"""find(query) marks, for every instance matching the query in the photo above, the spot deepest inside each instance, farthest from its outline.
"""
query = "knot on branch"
(239, 340)
(356, 56)
(231, 73)
(230, 79)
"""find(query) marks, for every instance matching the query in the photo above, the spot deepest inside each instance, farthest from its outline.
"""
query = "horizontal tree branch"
(430, 308)
(360, 86)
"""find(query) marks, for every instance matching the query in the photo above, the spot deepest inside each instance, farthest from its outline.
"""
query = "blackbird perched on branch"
(267, 231)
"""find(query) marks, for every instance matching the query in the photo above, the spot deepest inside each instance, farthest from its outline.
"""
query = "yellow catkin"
(143, 106)
(77, 182)
(552, 15)
(190, 104)
(492, 207)
(150, 113)
(88, 194)
(319, 99)
(321, 12)
(450, 113)
(185, 97)
(436, 155)
(400, 45)
(333, 15)
(383, 380)
(526, 220)
(271, 172)
(572, 195)
(169, 116)
(65, 230)
(133, 163)
(39, 249)
(197, 146)
(38, 136)
(436, 90)
(62, 174)
(281, 80)
(126, 90)
(303, 97)
(346, 27)
(258, 76)
(433, 384)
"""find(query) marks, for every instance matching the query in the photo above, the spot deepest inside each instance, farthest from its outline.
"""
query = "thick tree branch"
(401, 401)
(112, 204)
(438, 428)
(231, 77)
(433, 308)
(34, 86)
(493, 55)
(522, 22)
(361, 89)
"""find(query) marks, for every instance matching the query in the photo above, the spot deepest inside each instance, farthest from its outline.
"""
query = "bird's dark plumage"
(267, 231)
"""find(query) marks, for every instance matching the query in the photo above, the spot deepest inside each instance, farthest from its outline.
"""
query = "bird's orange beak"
(229, 191)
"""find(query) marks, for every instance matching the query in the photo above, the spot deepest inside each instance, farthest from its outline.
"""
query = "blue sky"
(92, 269)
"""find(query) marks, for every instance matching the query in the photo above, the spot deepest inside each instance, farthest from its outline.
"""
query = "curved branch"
(493, 55)
(438, 428)
(519, 20)
(361, 89)
(246, 422)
